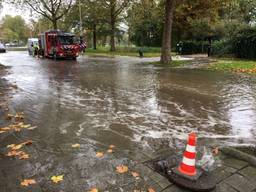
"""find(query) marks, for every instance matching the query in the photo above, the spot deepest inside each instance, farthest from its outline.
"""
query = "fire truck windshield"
(66, 40)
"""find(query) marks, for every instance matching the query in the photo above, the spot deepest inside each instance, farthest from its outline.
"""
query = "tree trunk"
(54, 24)
(112, 38)
(94, 37)
(167, 32)
(112, 25)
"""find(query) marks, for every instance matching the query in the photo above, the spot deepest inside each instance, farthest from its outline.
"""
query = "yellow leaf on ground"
(57, 179)
(2, 132)
(110, 150)
(151, 189)
(27, 182)
(25, 126)
(112, 146)
(93, 190)
(76, 145)
(16, 147)
(99, 154)
(135, 174)
(10, 146)
(122, 169)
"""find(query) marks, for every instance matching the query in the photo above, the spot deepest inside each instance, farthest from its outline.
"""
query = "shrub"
(244, 43)
(221, 48)
(192, 47)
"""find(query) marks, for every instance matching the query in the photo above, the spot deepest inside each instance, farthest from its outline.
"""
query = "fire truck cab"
(58, 44)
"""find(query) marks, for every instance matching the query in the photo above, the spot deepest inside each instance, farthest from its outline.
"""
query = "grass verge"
(174, 63)
(125, 51)
(234, 65)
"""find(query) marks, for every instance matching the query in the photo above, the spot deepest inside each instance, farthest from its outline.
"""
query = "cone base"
(205, 182)
(193, 177)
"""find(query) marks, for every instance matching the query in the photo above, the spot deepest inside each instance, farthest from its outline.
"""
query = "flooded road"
(122, 101)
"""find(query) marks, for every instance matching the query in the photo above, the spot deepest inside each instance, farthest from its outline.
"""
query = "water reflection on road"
(135, 106)
(121, 100)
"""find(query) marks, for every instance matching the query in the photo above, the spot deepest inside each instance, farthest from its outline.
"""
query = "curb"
(239, 155)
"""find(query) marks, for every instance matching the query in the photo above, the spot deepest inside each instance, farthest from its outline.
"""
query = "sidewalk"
(233, 176)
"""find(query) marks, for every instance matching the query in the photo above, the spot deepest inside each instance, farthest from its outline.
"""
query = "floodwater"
(137, 107)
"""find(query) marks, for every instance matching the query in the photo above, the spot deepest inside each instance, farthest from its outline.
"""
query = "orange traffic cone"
(188, 164)
(187, 175)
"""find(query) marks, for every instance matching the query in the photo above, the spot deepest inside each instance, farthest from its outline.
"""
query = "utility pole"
(31, 20)
(80, 14)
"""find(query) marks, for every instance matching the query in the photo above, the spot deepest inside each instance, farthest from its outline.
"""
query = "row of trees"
(97, 13)
(14, 29)
(147, 22)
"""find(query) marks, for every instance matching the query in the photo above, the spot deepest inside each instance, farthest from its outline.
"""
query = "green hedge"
(192, 47)
(244, 44)
(222, 48)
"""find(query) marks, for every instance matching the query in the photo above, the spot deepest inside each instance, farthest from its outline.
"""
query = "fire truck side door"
(51, 44)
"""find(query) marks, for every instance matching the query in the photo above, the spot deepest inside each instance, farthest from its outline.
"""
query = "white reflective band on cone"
(187, 161)
(191, 149)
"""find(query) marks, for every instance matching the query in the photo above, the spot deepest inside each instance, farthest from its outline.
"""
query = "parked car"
(2, 48)
(12, 44)
(31, 43)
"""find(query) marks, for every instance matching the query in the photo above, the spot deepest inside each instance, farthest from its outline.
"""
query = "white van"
(31, 43)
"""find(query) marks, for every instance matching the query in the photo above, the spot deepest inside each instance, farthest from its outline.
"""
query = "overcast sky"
(12, 10)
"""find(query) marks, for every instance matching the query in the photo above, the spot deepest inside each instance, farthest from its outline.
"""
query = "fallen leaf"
(24, 156)
(17, 129)
(5, 128)
(122, 169)
(215, 151)
(9, 116)
(76, 145)
(27, 182)
(135, 174)
(57, 179)
(2, 132)
(12, 153)
(28, 142)
(110, 150)
(112, 146)
(20, 154)
(25, 126)
(16, 147)
(32, 128)
(151, 189)
(99, 154)
(93, 190)
(10, 146)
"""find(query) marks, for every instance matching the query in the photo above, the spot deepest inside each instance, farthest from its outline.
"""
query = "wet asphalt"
(121, 101)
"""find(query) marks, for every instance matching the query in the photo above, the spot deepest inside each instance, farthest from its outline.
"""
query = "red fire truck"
(58, 44)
